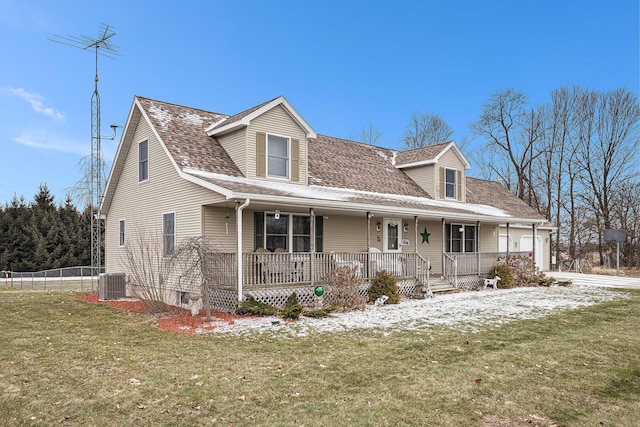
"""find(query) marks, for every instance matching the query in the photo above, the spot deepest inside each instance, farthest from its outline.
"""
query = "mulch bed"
(177, 320)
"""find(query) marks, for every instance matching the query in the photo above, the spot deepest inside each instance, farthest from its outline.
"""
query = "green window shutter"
(261, 154)
(258, 230)
(442, 182)
(459, 184)
(295, 160)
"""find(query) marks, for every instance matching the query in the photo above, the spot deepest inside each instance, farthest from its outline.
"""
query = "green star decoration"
(425, 235)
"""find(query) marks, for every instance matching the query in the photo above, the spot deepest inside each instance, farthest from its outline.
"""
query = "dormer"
(439, 169)
(268, 141)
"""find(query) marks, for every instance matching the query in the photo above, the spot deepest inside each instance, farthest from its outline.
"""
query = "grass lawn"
(67, 362)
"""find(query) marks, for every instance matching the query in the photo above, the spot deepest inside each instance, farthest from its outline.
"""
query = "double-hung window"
(450, 184)
(461, 238)
(277, 156)
(143, 161)
(168, 234)
(286, 231)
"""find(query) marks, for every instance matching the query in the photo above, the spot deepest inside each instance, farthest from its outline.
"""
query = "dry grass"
(65, 362)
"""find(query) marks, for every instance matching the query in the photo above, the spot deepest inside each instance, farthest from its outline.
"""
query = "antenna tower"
(102, 46)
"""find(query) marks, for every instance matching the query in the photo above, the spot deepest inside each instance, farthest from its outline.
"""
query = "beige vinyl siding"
(488, 238)
(450, 160)
(142, 204)
(425, 177)
(235, 144)
(221, 230)
(276, 121)
(345, 233)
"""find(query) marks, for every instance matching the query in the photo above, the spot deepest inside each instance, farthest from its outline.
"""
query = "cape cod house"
(285, 205)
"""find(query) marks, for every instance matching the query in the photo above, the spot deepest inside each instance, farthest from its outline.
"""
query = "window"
(277, 156)
(450, 184)
(391, 235)
(168, 234)
(287, 231)
(277, 232)
(143, 161)
(460, 238)
(122, 231)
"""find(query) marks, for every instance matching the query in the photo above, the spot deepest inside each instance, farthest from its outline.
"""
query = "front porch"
(272, 276)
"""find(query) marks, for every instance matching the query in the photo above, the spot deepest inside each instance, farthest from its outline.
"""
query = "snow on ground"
(466, 311)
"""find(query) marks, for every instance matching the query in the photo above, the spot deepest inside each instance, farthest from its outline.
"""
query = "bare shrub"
(343, 289)
(200, 265)
(148, 270)
(524, 270)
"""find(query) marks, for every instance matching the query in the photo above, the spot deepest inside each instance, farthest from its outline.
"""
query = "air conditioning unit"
(112, 286)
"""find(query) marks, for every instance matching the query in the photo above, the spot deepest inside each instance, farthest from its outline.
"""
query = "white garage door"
(526, 245)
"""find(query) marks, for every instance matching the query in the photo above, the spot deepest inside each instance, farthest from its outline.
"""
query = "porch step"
(441, 286)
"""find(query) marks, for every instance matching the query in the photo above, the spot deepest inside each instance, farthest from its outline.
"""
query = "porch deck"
(272, 276)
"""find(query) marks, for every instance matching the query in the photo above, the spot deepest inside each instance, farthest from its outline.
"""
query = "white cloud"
(36, 102)
(43, 140)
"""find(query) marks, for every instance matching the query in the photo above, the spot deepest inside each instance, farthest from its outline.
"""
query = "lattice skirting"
(227, 300)
(468, 281)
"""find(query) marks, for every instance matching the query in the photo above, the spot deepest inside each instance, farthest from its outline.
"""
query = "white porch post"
(312, 243)
(444, 247)
(507, 239)
(478, 245)
(533, 249)
(239, 209)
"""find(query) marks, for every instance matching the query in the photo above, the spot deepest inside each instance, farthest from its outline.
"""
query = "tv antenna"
(102, 46)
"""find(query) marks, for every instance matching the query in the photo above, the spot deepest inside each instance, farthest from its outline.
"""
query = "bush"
(505, 273)
(343, 289)
(257, 308)
(292, 308)
(384, 283)
(524, 270)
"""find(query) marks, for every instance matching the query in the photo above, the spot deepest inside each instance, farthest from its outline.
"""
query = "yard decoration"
(319, 291)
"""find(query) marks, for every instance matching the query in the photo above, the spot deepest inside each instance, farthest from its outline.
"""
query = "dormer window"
(277, 156)
(450, 185)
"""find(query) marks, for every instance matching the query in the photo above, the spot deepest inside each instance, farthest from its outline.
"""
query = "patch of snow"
(342, 194)
(193, 119)
(468, 311)
(162, 116)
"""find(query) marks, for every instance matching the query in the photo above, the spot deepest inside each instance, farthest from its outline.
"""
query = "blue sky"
(341, 64)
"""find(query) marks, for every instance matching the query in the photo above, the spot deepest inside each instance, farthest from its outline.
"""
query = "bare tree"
(512, 133)
(370, 135)
(148, 270)
(200, 265)
(425, 129)
(608, 142)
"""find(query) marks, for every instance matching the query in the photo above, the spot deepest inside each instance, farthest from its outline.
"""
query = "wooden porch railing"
(466, 264)
(269, 269)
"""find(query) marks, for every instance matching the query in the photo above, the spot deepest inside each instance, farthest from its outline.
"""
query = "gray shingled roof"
(420, 154)
(333, 174)
(182, 130)
(492, 193)
(331, 164)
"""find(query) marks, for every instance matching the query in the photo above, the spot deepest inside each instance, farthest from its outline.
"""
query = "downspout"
(239, 209)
